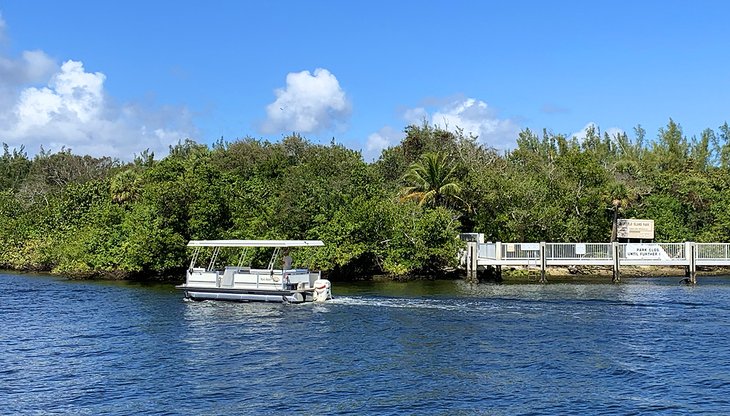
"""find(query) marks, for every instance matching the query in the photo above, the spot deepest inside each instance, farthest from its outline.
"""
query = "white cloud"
(72, 94)
(381, 140)
(473, 116)
(614, 131)
(309, 103)
(72, 111)
(32, 67)
(477, 118)
(582, 133)
(415, 115)
(42, 104)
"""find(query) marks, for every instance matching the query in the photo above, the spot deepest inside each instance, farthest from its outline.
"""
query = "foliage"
(431, 181)
(400, 215)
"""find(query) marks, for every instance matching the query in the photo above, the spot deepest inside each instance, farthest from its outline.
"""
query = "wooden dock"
(616, 255)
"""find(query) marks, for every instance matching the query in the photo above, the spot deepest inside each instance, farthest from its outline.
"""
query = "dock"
(690, 255)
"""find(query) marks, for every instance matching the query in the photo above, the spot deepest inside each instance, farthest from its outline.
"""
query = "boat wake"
(416, 303)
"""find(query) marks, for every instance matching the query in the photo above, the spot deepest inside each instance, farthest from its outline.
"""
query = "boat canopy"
(255, 243)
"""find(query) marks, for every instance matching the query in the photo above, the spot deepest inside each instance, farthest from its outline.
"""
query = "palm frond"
(431, 181)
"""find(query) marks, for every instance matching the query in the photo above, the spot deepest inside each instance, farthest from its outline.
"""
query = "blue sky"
(114, 78)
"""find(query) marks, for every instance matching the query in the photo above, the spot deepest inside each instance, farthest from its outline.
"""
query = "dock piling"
(615, 257)
(543, 262)
(692, 253)
(471, 262)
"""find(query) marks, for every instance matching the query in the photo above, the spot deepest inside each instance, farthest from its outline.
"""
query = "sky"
(116, 78)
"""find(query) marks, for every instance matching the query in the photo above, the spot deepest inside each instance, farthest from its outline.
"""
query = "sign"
(530, 247)
(580, 249)
(631, 228)
(645, 252)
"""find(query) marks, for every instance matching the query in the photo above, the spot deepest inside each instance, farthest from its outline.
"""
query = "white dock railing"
(579, 251)
(544, 254)
(670, 254)
(713, 254)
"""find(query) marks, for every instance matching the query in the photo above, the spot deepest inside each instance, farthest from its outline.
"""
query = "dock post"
(467, 258)
(692, 263)
(467, 263)
(543, 263)
(498, 258)
(615, 256)
(475, 260)
(471, 262)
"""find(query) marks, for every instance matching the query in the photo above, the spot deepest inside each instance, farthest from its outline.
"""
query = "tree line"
(400, 215)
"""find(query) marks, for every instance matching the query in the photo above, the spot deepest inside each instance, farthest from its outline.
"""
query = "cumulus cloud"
(478, 119)
(415, 115)
(309, 103)
(72, 111)
(44, 104)
(582, 133)
(473, 116)
(380, 140)
(72, 94)
(31, 67)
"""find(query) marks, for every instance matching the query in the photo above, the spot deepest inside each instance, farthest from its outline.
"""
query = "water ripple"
(645, 346)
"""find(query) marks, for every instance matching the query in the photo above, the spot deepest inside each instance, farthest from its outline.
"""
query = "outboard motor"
(322, 290)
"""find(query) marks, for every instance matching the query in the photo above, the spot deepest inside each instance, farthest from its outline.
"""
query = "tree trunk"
(614, 229)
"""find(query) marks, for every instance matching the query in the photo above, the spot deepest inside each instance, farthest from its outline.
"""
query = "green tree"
(431, 181)
(14, 167)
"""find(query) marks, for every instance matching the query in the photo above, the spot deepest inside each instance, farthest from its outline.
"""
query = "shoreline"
(508, 274)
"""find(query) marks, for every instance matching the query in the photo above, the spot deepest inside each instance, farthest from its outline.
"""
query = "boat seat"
(207, 279)
(228, 276)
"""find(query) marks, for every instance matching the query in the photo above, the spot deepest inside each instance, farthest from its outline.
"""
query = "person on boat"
(286, 260)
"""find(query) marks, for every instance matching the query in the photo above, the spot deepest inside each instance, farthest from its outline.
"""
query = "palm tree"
(125, 186)
(431, 181)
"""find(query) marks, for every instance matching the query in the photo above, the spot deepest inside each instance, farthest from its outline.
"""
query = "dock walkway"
(542, 255)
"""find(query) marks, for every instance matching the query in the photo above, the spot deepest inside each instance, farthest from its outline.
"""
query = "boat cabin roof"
(255, 243)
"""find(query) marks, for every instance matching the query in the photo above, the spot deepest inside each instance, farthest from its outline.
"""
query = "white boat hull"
(246, 295)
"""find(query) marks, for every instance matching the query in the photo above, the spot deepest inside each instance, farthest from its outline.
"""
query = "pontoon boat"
(239, 283)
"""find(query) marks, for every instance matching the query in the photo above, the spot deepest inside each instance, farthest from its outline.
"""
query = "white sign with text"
(646, 252)
(633, 228)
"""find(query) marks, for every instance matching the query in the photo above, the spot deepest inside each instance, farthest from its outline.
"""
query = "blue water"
(644, 346)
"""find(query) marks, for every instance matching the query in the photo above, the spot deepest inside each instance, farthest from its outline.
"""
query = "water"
(644, 346)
